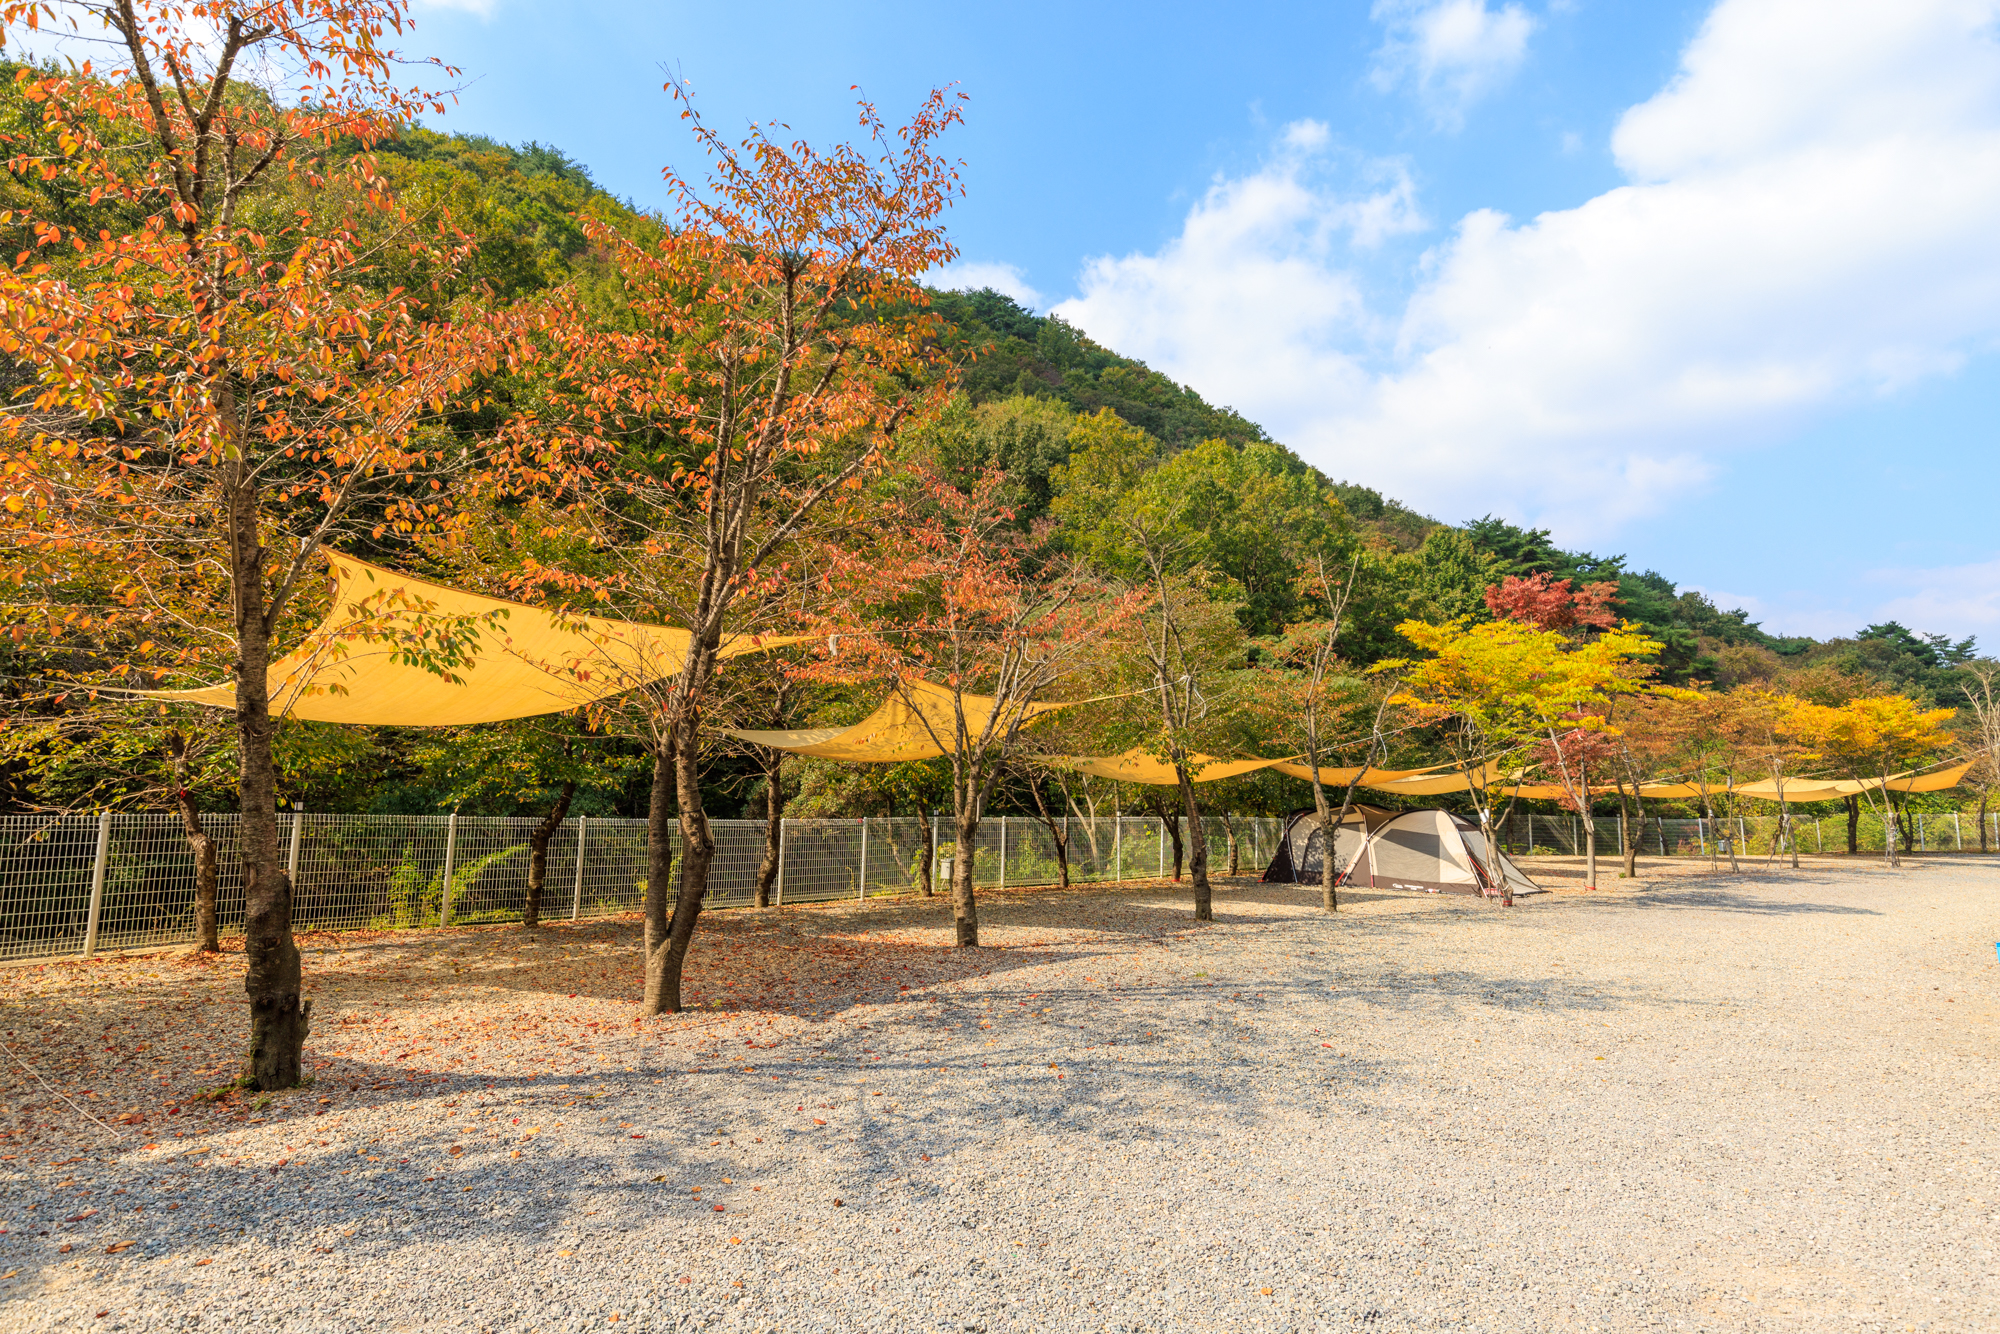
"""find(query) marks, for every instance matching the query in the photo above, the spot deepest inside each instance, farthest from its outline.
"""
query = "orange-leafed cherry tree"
(951, 598)
(215, 381)
(774, 344)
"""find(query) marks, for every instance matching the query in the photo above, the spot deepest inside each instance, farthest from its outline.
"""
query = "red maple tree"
(1549, 603)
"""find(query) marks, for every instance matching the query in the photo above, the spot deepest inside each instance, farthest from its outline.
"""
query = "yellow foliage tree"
(1877, 736)
(1501, 686)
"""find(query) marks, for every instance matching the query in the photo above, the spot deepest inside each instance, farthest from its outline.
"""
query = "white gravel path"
(1715, 1103)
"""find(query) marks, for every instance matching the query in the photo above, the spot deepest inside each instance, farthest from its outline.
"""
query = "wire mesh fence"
(76, 884)
(1747, 835)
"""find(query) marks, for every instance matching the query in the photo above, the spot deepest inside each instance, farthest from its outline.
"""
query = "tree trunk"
(1204, 905)
(1853, 826)
(1493, 869)
(279, 1017)
(964, 908)
(1632, 838)
(774, 826)
(1785, 830)
(1058, 832)
(661, 833)
(538, 856)
(697, 856)
(1589, 852)
(202, 844)
(1329, 898)
(1229, 832)
(927, 870)
(1172, 823)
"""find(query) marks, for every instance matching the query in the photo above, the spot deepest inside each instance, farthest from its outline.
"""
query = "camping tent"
(1434, 851)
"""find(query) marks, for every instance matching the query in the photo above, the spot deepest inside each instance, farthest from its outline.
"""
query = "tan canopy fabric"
(526, 661)
(908, 726)
(1431, 785)
(1342, 777)
(1796, 789)
(1138, 766)
(1141, 766)
(1800, 789)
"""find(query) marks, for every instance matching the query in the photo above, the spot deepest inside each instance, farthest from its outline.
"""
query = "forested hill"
(523, 206)
(1024, 354)
(522, 203)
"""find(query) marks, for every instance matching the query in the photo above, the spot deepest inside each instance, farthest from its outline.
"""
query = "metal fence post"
(1957, 834)
(1531, 833)
(1701, 835)
(576, 894)
(1819, 839)
(861, 881)
(97, 884)
(1003, 852)
(779, 900)
(450, 852)
(1118, 847)
(1921, 846)
(1162, 821)
(292, 858)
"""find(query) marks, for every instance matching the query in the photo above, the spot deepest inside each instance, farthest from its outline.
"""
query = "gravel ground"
(1762, 1102)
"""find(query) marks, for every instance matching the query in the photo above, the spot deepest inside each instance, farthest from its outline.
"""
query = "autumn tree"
(1569, 751)
(974, 624)
(1873, 739)
(215, 380)
(1549, 603)
(1708, 737)
(1324, 696)
(769, 346)
(1210, 530)
(1502, 686)
(1980, 684)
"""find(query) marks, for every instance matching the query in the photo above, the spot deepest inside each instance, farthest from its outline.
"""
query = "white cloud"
(1254, 290)
(1953, 599)
(1453, 51)
(1810, 220)
(972, 275)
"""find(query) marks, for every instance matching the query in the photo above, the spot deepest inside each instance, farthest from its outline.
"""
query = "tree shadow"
(1717, 898)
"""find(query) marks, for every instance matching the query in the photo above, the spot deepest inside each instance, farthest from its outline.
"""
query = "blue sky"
(1708, 284)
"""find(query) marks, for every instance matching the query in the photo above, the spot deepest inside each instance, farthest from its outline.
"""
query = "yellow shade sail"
(1141, 766)
(1809, 789)
(1342, 777)
(918, 722)
(525, 661)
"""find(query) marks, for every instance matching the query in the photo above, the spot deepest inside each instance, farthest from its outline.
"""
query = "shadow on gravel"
(1717, 899)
